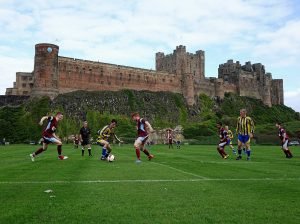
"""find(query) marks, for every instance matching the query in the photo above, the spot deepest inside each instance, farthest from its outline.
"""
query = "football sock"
(220, 152)
(223, 152)
(285, 152)
(90, 151)
(240, 152)
(138, 153)
(82, 152)
(38, 151)
(103, 152)
(289, 152)
(248, 152)
(59, 150)
(146, 152)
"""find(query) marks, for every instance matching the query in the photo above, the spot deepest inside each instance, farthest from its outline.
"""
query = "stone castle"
(179, 72)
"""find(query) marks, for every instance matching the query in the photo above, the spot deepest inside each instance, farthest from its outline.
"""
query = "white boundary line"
(181, 171)
(147, 181)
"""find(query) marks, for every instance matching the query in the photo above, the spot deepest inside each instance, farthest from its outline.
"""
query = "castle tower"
(45, 70)
(159, 56)
(267, 89)
(187, 78)
(201, 67)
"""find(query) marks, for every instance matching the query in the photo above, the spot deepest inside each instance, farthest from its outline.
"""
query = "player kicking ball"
(49, 136)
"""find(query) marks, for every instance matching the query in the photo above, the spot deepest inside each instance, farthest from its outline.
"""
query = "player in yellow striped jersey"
(104, 136)
(245, 131)
(230, 135)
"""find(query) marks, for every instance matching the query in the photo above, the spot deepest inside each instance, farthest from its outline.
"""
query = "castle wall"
(75, 74)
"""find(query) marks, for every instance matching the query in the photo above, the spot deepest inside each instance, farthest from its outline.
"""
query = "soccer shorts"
(48, 140)
(85, 142)
(284, 144)
(222, 144)
(244, 138)
(142, 139)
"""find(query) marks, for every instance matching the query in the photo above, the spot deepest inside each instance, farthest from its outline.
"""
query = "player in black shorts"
(85, 138)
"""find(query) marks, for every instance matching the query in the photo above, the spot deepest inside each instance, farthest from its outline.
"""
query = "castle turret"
(45, 70)
(159, 56)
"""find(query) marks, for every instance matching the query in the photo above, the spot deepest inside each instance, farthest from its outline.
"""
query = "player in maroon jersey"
(49, 136)
(223, 140)
(284, 140)
(143, 129)
(169, 137)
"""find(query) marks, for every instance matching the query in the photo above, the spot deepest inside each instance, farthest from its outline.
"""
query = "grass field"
(191, 185)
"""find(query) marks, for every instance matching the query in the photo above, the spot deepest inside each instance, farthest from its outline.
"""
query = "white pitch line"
(181, 171)
(147, 181)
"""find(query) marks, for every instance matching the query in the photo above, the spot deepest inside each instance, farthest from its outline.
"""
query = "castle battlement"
(179, 72)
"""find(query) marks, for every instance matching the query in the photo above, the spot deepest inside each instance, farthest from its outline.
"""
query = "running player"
(143, 129)
(284, 140)
(49, 136)
(230, 137)
(104, 136)
(223, 140)
(85, 138)
(245, 130)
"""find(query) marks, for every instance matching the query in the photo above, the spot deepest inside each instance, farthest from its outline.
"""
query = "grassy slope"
(195, 186)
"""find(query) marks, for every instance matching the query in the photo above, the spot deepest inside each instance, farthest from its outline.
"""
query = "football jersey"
(282, 133)
(105, 133)
(141, 128)
(223, 135)
(85, 133)
(50, 128)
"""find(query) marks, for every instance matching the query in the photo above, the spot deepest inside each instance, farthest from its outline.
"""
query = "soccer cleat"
(226, 156)
(234, 152)
(150, 157)
(63, 157)
(32, 157)
(248, 159)
(138, 161)
(238, 158)
(103, 158)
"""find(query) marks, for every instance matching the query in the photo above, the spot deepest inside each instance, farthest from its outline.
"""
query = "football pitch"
(188, 185)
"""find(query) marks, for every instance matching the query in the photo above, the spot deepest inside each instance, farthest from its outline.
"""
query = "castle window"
(24, 78)
(102, 82)
(109, 83)
(163, 80)
(24, 85)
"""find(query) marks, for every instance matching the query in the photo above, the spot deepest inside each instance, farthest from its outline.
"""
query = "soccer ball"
(111, 158)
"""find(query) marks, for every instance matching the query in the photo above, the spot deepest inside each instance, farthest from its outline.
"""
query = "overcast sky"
(130, 32)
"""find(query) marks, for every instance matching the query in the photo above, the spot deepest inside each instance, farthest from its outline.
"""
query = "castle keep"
(179, 72)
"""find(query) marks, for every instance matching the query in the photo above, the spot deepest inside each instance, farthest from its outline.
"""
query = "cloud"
(291, 99)
(131, 32)
(9, 66)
